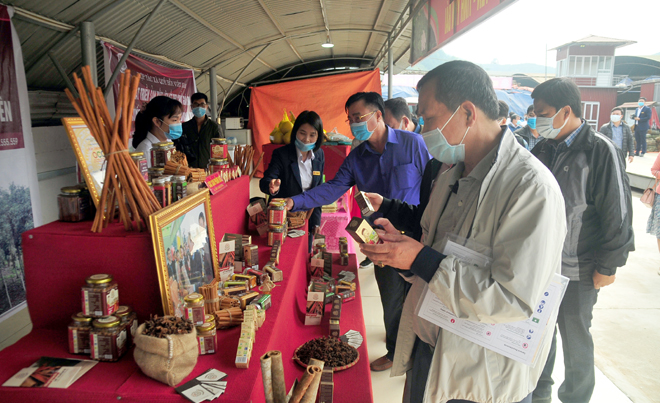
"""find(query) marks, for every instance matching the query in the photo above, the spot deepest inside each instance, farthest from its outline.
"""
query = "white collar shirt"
(305, 168)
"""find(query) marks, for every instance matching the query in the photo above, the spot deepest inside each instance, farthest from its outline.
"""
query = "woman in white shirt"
(159, 121)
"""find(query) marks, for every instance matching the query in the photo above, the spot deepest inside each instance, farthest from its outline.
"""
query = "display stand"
(59, 256)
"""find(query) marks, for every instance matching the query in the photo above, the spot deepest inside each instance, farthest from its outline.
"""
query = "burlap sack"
(166, 360)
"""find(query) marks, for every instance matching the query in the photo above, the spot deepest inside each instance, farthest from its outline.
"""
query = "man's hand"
(274, 186)
(636, 118)
(397, 250)
(375, 199)
(289, 203)
(601, 280)
(630, 159)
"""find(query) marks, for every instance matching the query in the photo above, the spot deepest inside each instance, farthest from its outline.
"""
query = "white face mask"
(439, 147)
(615, 118)
(545, 128)
(401, 125)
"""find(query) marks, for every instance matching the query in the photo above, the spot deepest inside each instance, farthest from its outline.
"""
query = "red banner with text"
(11, 133)
(156, 80)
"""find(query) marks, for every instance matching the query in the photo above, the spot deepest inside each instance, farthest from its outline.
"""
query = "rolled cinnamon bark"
(305, 382)
(266, 376)
(277, 370)
(313, 389)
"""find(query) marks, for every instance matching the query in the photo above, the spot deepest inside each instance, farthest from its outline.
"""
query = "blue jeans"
(574, 321)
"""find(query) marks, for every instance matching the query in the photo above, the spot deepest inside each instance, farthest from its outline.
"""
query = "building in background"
(589, 62)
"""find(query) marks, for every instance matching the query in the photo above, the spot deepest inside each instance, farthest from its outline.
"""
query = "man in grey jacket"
(497, 195)
(592, 177)
(619, 132)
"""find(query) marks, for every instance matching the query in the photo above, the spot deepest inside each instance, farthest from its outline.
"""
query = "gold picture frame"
(180, 248)
(89, 155)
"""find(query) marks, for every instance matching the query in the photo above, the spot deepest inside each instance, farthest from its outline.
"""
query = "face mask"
(360, 130)
(531, 122)
(176, 130)
(615, 118)
(304, 147)
(199, 112)
(439, 147)
(640, 104)
(401, 125)
(546, 129)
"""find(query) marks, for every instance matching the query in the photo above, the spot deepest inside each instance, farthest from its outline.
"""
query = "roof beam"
(216, 31)
(378, 21)
(279, 28)
(396, 34)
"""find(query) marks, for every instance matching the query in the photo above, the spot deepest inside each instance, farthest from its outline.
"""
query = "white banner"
(20, 208)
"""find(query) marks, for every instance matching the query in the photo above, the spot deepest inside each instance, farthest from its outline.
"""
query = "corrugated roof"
(222, 33)
(598, 40)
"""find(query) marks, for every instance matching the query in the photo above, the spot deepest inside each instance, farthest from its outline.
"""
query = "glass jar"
(129, 321)
(276, 213)
(276, 233)
(141, 163)
(219, 148)
(160, 191)
(100, 296)
(107, 339)
(169, 149)
(156, 155)
(206, 338)
(194, 308)
(216, 164)
(155, 172)
(180, 187)
(73, 206)
(319, 247)
(168, 189)
(208, 318)
(79, 331)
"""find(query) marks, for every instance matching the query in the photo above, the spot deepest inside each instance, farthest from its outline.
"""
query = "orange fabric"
(324, 95)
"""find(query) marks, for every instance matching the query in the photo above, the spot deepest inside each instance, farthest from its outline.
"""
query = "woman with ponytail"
(159, 121)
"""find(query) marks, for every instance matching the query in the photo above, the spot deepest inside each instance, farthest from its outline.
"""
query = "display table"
(59, 256)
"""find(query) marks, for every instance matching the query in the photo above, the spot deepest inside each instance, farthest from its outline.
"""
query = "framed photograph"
(89, 155)
(184, 246)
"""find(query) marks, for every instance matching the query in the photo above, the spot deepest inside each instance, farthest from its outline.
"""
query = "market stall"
(60, 255)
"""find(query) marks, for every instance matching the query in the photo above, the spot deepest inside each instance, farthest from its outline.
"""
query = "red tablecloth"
(59, 257)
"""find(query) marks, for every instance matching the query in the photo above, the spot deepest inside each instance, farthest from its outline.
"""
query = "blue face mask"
(360, 130)
(304, 147)
(439, 147)
(176, 130)
(199, 112)
(531, 122)
(640, 104)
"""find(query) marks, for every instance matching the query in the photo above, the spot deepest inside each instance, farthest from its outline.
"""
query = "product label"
(112, 300)
(74, 334)
(121, 340)
(85, 302)
(142, 165)
(134, 327)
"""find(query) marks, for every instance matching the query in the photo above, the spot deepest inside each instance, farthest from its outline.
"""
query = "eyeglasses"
(359, 119)
(196, 105)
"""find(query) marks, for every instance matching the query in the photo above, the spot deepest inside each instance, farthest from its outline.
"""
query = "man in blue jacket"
(642, 117)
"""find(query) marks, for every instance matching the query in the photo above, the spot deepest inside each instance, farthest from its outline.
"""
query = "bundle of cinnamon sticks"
(210, 293)
(229, 317)
(124, 187)
(243, 156)
(228, 302)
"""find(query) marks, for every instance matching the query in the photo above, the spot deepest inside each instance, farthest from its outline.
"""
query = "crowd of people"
(544, 192)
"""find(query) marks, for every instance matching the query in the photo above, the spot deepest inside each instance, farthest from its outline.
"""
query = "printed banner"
(440, 21)
(156, 80)
(19, 191)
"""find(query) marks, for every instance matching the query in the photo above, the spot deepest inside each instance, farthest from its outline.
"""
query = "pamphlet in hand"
(50, 372)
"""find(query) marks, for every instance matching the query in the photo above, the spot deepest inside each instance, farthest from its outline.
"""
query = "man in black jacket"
(619, 132)
(591, 174)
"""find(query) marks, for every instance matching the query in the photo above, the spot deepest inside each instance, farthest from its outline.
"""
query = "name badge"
(316, 173)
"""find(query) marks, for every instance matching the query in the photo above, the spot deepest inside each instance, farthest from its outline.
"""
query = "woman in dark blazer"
(298, 166)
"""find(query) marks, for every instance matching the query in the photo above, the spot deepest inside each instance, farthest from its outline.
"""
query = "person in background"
(389, 162)
(653, 225)
(528, 132)
(619, 132)
(197, 133)
(496, 194)
(642, 117)
(503, 113)
(159, 121)
(513, 126)
(591, 174)
(397, 116)
(298, 167)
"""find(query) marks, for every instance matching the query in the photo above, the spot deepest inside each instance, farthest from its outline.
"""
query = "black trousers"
(640, 140)
(393, 289)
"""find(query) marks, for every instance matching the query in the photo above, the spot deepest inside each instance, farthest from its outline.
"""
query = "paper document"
(519, 341)
(50, 372)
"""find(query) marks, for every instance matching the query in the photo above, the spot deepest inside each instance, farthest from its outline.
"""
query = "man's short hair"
(197, 96)
(459, 81)
(530, 108)
(643, 98)
(504, 110)
(372, 99)
(559, 92)
(513, 116)
(617, 109)
(398, 107)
